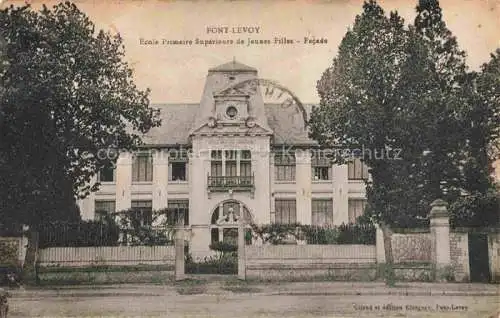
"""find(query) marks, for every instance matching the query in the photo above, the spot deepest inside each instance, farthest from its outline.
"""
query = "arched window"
(229, 212)
(225, 220)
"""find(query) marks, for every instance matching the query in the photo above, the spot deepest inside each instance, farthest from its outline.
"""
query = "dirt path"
(229, 299)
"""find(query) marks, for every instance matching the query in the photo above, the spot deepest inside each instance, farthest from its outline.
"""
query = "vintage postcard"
(250, 158)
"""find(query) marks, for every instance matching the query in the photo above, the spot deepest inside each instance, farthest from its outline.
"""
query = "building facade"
(231, 155)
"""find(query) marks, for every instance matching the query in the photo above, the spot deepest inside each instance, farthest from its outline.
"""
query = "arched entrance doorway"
(225, 220)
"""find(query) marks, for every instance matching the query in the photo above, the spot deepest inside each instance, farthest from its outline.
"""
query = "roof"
(177, 121)
(288, 124)
(233, 66)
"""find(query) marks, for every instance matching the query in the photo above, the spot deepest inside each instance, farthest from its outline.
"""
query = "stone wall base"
(107, 277)
(414, 273)
(303, 273)
(369, 272)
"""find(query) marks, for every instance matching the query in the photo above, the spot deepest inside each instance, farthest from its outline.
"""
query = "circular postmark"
(289, 118)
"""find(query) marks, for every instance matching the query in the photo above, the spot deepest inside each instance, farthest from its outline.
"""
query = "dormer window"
(231, 112)
(231, 108)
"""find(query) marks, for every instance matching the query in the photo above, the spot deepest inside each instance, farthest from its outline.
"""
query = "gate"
(478, 258)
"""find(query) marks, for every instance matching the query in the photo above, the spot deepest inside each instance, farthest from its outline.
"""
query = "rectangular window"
(357, 170)
(142, 168)
(216, 155)
(231, 170)
(178, 166)
(285, 211)
(103, 208)
(284, 166)
(216, 169)
(321, 168)
(214, 235)
(321, 174)
(216, 163)
(143, 212)
(246, 155)
(356, 209)
(106, 174)
(231, 154)
(322, 211)
(178, 171)
(245, 163)
(231, 163)
(178, 208)
(245, 169)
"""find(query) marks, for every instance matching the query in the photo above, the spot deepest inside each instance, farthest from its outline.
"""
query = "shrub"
(356, 234)
(226, 262)
(312, 234)
(276, 233)
(4, 303)
(320, 235)
(224, 247)
(146, 235)
(8, 253)
(214, 265)
(135, 232)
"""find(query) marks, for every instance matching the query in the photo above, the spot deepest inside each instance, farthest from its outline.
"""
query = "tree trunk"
(30, 270)
(389, 259)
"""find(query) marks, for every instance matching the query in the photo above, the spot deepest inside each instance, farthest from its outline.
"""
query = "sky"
(176, 73)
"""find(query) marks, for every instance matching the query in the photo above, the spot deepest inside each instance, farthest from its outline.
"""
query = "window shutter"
(142, 168)
(149, 168)
(135, 168)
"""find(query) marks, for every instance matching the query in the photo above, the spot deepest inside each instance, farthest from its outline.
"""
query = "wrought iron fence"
(93, 233)
(315, 234)
(146, 235)
(341, 234)
(230, 182)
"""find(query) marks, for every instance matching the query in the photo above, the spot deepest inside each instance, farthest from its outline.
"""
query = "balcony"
(230, 183)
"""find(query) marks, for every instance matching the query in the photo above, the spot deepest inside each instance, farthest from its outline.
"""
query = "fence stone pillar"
(179, 249)
(379, 245)
(494, 255)
(241, 250)
(23, 245)
(440, 231)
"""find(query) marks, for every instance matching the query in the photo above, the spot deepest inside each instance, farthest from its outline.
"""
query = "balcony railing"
(236, 183)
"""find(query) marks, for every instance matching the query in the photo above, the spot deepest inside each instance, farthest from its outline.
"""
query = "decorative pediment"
(231, 130)
(231, 98)
(234, 91)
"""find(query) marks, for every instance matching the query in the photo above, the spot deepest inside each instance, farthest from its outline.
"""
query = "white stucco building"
(232, 152)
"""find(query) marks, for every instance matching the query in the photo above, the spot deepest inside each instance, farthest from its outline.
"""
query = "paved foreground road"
(249, 301)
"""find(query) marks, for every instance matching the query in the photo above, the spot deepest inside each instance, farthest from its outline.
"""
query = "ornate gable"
(231, 130)
(232, 91)
(230, 102)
